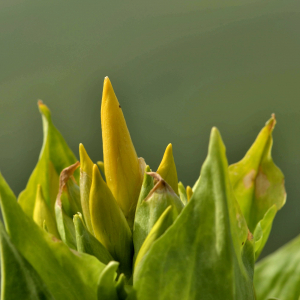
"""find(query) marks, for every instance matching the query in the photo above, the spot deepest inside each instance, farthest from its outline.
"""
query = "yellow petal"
(86, 174)
(109, 224)
(123, 173)
(167, 169)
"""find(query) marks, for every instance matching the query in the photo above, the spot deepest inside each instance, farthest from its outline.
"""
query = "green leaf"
(68, 274)
(182, 193)
(147, 186)
(65, 226)
(54, 157)
(122, 288)
(42, 214)
(107, 284)
(87, 243)
(278, 275)
(19, 279)
(258, 183)
(263, 229)
(151, 208)
(159, 228)
(202, 256)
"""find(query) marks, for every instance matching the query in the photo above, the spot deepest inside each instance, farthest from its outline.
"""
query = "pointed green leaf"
(147, 186)
(109, 224)
(205, 241)
(278, 275)
(19, 279)
(54, 157)
(257, 182)
(151, 208)
(65, 226)
(182, 193)
(87, 243)
(263, 229)
(167, 169)
(159, 228)
(69, 275)
(107, 284)
(42, 214)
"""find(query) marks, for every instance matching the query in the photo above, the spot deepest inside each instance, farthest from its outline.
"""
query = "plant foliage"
(118, 230)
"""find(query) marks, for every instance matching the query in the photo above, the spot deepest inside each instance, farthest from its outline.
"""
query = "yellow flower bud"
(86, 173)
(167, 169)
(123, 170)
(109, 224)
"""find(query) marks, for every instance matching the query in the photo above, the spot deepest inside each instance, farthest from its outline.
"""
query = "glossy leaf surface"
(19, 279)
(206, 240)
(151, 208)
(278, 275)
(68, 274)
(159, 228)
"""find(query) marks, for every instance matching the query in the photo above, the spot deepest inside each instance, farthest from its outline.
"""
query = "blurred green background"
(178, 68)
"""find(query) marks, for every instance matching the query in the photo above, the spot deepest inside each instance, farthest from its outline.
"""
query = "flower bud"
(167, 169)
(86, 174)
(109, 224)
(123, 170)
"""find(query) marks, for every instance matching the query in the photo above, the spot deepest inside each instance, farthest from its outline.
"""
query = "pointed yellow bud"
(189, 193)
(86, 173)
(167, 169)
(109, 224)
(42, 213)
(86, 164)
(123, 171)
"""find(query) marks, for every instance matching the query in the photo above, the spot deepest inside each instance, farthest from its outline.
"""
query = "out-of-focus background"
(178, 68)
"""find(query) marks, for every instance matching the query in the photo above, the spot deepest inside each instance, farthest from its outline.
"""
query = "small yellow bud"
(189, 193)
(167, 169)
